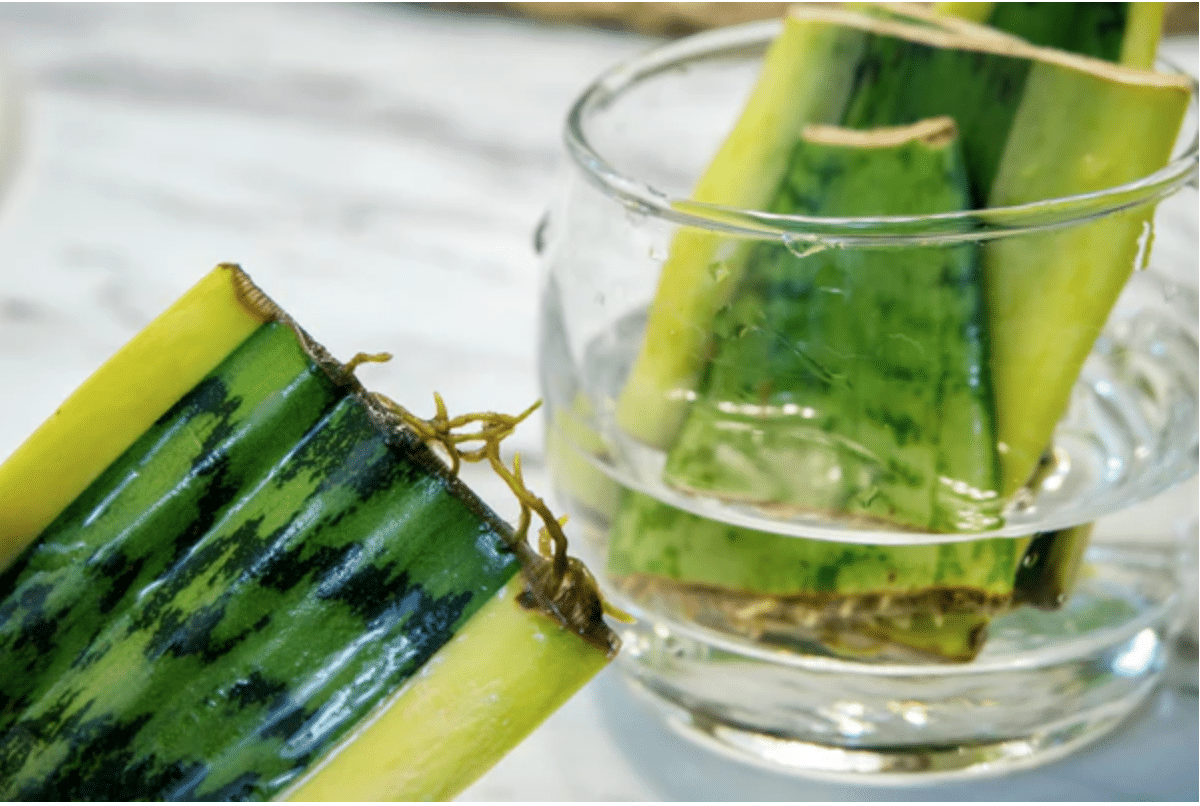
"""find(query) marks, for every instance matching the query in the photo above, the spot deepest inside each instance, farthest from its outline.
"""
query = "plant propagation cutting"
(912, 388)
(255, 579)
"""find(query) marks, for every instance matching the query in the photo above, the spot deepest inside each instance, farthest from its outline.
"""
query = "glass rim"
(964, 225)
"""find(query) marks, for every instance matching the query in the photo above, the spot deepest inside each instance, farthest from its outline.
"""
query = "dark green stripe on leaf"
(296, 580)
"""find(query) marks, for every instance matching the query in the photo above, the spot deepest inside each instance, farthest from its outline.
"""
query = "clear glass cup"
(903, 649)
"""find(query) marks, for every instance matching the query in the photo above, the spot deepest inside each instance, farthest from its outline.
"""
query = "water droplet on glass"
(803, 248)
(1141, 261)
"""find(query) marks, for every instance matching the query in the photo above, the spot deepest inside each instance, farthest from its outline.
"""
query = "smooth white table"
(379, 170)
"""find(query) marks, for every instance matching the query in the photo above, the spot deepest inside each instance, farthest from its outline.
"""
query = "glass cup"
(822, 576)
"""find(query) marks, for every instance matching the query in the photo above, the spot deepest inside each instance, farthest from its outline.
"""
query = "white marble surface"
(379, 170)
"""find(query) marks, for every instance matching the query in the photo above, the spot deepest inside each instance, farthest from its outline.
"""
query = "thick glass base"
(1017, 706)
(888, 766)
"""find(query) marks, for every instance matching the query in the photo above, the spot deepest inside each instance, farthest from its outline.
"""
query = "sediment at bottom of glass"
(890, 723)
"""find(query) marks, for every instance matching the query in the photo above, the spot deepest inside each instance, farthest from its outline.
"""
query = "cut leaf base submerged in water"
(284, 579)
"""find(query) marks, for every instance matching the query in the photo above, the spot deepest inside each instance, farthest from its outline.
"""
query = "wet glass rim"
(967, 225)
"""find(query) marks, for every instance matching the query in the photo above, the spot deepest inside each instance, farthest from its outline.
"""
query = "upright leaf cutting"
(737, 350)
(1126, 33)
(840, 383)
(865, 70)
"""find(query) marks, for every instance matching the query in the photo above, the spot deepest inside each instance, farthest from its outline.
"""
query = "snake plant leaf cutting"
(254, 579)
(779, 396)
(842, 381)
(802, 407)
(1049, 294)
(863, 70)
(1126, 33)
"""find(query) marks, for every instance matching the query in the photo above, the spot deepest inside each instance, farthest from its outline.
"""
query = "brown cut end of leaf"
(942, 625)
(964, 35)
(883, 624)
(933, 132)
